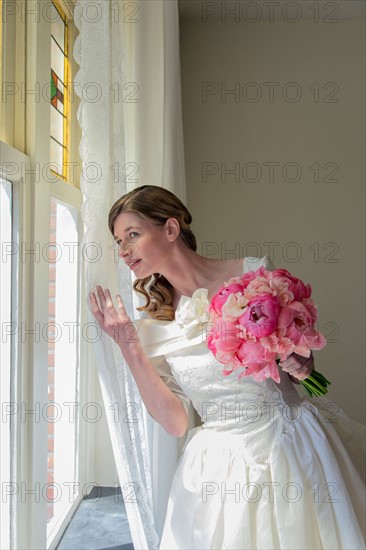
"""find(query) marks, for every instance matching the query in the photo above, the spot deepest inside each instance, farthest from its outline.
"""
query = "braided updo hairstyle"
(155, 204)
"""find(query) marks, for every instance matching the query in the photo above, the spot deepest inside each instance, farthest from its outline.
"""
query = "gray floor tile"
(99, 523)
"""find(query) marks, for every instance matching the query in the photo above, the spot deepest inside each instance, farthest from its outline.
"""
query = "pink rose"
(260, 316)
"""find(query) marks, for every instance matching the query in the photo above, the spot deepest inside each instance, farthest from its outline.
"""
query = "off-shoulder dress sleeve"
(252, 263)
(267, 263)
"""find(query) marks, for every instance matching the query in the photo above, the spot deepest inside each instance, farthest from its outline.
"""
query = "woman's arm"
(160, 401)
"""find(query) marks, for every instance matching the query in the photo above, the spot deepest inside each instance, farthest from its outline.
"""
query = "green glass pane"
(57, 93)
(53, 87)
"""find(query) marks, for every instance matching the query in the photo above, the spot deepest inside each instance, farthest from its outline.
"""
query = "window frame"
(69, 196)
(32, 192)
(20, 352)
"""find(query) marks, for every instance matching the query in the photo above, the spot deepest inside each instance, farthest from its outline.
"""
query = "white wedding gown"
(267, 469)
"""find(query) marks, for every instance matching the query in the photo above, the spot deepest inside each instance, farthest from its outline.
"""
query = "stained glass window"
(59, 90)
(2, 130)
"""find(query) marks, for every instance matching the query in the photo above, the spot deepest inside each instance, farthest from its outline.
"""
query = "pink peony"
(246, 278)
(252, 353)
(314, 338)
(295, 318)
(280, 345)
(222, 295)
(224, 338)
(260, 362)
(261, 372)
(234, 306)
(281, 278)
(260, 315)
(313, 309)
(258, 286)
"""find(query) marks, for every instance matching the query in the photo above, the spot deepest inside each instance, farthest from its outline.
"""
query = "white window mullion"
(14, 443)
(38, 60)
(5, 361)
(24, 381)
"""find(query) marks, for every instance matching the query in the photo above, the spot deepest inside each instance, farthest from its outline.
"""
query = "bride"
(266, 469)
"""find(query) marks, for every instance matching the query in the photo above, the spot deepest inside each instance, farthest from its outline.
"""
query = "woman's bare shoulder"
(226, 270)
(230, 268)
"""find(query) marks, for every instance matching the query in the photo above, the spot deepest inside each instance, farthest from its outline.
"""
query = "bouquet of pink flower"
(262, 316)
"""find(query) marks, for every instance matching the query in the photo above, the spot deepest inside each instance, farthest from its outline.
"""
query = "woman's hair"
(155, 204)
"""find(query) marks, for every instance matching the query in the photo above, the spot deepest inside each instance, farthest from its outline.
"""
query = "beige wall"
(324, 219)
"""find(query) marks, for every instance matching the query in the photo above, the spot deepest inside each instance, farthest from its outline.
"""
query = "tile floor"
(99, 523)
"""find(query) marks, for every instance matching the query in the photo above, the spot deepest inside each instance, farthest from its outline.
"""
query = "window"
(59, 122)
(42, 457)
(63, 362)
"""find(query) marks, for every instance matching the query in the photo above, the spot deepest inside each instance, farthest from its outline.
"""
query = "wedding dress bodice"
(180, 355)
(235, 406)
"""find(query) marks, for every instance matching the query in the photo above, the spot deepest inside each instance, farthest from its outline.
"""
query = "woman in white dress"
(266, 469)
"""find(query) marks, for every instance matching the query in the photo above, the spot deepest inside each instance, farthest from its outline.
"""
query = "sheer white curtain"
(131, 120)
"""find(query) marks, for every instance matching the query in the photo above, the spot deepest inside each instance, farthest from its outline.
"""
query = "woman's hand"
(298, 366)
(115, 323)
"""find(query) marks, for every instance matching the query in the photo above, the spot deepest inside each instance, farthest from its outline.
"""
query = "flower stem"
(315, 384)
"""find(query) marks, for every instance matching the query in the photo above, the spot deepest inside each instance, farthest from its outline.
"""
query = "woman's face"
(141, 241)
